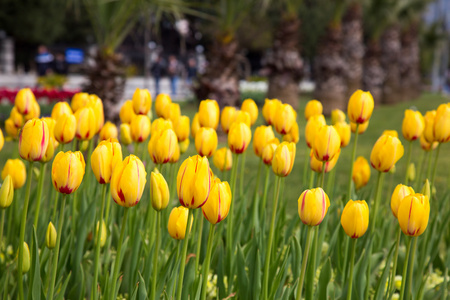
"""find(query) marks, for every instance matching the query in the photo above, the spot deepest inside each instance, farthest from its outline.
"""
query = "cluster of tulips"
(167, 138)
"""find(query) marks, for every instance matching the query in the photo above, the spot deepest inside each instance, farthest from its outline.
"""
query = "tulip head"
(104, 159)
(103, 234)
(428, 131)
(227, 117)
(345, 133)
(263, 134)
(361, 172)
(244, 117)
(393, 133)
(26, 258)
(206, 141)
(162, 103)
(50, 236)
(326, 143)
(283, 159)
(284, 118)
(24, 101)
(355, 218)
(413, 214)
(442, 123)
(159, 191)
(313, 108)
(79, 100)
(250, 106)
(360, 107)
(34, 113)
(317, 165)
(223, 159)
(2, 140)
(11, 129)
(68, 171)
(413, 125)
(174, 112)
(6, 192)
(184, 145)
(400, 192)
(140, 128)
(313, 206)
(86, 123)
(292, 136)
(33, 140)
(142, 101)
(386, 152)
(16, 169)
(97, 106)
(269, 150)
(182, 128)
(127, 113)
(208, 114)
(65, 128)
(125, 134)
(162, 146)
(312, 127)
(361, 128)
(109, 131)
(217, 207)
(17, 117)
(427, 146)
(178, 219)
(269, 110)
(195, 125)
(337, 116)
(128, 181)
(239, 137)
(194, 182)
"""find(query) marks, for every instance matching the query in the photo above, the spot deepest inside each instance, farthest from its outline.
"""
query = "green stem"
(408, 161)
(98, 242)
(322, 179)
(258, 176)
(355, 142)
(312, 267)
(304, 262)
(55, 206)
(305, 167)
(199, 245)
(183, 256)
(56, 250)
(155, 255)
(429, 165)
(270, 241)
(22, 229)
(88, 163)
(136, 148)
(352, 262)
(39, 193)
(405, 269)
(119, 250)
(394, 267)
(266, 188)
(411, 268)
(344, 271)
(207, 262)
(241, 176)
(108, 207)
(419, 170)
(376, 202)
(435, 165)
(2, 222)
(233, 199)
(311, 179)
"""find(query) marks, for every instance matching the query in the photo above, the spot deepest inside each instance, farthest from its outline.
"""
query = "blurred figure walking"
(43, 60)
(173, 70)
(157, 69)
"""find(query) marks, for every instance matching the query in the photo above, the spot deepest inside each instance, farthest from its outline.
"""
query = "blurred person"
(157, 69)
(191, 71)
(173, 70)
(43, 60)
(60, 64)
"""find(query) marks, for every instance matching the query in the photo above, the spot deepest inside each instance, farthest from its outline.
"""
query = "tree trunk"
(410, 63)
(390, 56)
(107, 80)
(284, 63)
(330, 67)
(353, 47)
(221, 78)
(373, 76)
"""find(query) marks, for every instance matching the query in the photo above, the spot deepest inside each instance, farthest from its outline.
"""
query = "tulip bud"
(284, 118)
(33, 140)
(223, 159)
(411, 172)
(159, 195)
(108, 131)
(178, 219)
(86, 123)
(103, 234)
(24, 101)
(127, 113)
(174, 112)
(250, 106)
(326, 143)
(313, 108)
(65, 128)
(206, 141)
(313, 206)
(26, 258)
(263, 134)
(79, 101)
(355, 218)
(312, 127)
(239, 137)
(361, 172)
(140, 128)
(176, 154)
(386, 152)
(360, 107)
(184, 145)
(337, 116)
(50, 236)
(182, 128)
(217, 207)
(400, 192)
(244, 117)
(428, 131)
(194, 182)
(68, 171)
(269, 150)
(128, 181)
(11, 129)
(16, 117)
(269, 110)
(393, 133)
(426, 189)
(413, 214)
(316, 165)
(361, 128)
(393, 169)
(125, 134)
(208, 114)
(195, 125)
(442, 123)
(227, 117)
(6, 192)
(142, 101)
(344, 131)
(162, 146)
(61, 108)
(16, 169)
(162, 104)
(283, 159)
(413, 125)
(104, 159)
(292, 136)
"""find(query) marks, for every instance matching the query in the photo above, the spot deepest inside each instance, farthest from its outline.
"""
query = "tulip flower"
(313, 108)
(269, 150)
(127, 113)
(178, 219)
(413, 214)
(6, 194)
(11, 129)
(250, 106)
(208, 114)
(2, 140)
(109, 131)
(162, 103)
(337, 116)
(361, 128)
(292, 136)
(344, 131)
(26, 257)
(263, 134)
(176, 154)
(244, 117)
(223, 159)
(65, 128)
(174, 112)
(194, 182)
(162, 146)
(360, 107)
(184, 145)
(61, 108)
(227, 117)
(52, 144)
(16, 169)
(312, 127)
(317, 165)
(79, 101)
(393, 133)
(34, 113)
(50, 236)
(140, 128)
(86, 123)
(103, 233)
(161, 124)
(426, 145)
(182, 128)
(125, 134)
(68, 171)
(400, 192)
(428, 131)
(239, 137)
(385, 153)
(142, 101)
(284, 118)
(326, 143)
(17, 117)
(361, 172)
(159, 195)
(216, 208)
(24, 101)
(97, 105)
(33, 140)
(195, 125)
(269, 110)
(355, 218)
(104, 159)
(413, 125)
(313, 206)
(283, 159)
(442, 123)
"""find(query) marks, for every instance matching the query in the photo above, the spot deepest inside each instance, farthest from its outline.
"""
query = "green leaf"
(275, 284)
(62, 290)
(242, 278)
(142, 290)
(35, 289)
(324, 279)
(379, 292)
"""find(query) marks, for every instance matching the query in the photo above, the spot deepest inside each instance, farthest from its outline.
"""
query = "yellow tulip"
(428, 132)
(68, 171)
(97, 105)
(174, 112)
(292, 136)
(263, 134)
(312, 127)
(142, 101)
(400, 192)
(393, 133)
(50, 236)
(223, 159)
(52, 144)
(125, 134)
(239, 137)
(182, 128)
(250, 106)
(227, 117)
(386, 152)
(244, 117)
(360, 107)
(79, 101)
(269, 150)
(2, 140)
(361, 172)
(161, 124)
(103, 234)
(162, 103)
(344, 131)
(208, 114)
(413, 125)
(313, 206)
(86, 123)
(269, 110)
(427, 146)
(217, 207)
(313, 108)
(195, 125)
(128, 181)
(284, 118)
(24, 101)
(65, 128)
(140, 128)
(355, 218)
(184, 145)
(442, 123)
(17, 117)
(104, 159)
(26, 258)
(7, 192)
(413, 214)
(361, 128)
(176, 154)
(108, 131)
(162, 146)
(34, 113)
(159, 195)
(16, 169)
(326, 143)
(126, 112)
(61, 108)
(194, 182)
(178, 219)
(283, 159)
(316, 165)
(337, 116)
(33, 140)
(11, 129)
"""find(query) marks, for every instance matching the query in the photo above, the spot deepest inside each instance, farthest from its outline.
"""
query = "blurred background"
(226, 50)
